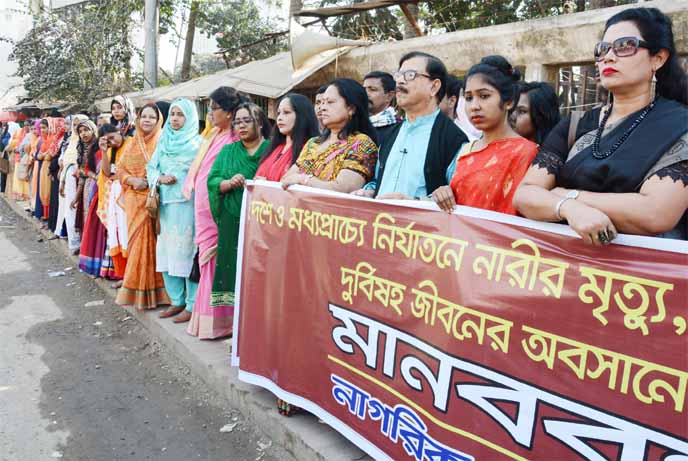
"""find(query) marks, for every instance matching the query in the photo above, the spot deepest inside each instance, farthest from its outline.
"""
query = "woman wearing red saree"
(295, 124)
(489, 169)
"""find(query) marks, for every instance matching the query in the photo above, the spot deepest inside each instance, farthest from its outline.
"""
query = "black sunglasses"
(622, 47)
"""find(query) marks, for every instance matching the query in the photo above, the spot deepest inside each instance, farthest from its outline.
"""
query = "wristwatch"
(570, 195)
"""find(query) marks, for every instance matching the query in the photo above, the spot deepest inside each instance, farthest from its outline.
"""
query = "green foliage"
(375, 25)
(236, 24)
(451, 15)
(79, 53)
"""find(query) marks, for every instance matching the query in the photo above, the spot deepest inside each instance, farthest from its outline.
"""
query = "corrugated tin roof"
(271, 78)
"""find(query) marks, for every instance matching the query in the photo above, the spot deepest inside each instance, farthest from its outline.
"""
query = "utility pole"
(150, 57)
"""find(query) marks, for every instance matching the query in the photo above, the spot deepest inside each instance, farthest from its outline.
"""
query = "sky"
(15, 25)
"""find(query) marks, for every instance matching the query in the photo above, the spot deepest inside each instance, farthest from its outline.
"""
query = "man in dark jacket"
(414, 157)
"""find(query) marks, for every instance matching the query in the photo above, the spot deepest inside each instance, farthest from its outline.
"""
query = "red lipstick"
(609, 71)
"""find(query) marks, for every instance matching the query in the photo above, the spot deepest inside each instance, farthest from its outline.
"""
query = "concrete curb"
(301, 435)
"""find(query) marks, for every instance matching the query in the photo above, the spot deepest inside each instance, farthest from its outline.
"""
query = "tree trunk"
(295, 6)
(410, 29)
(188, 42)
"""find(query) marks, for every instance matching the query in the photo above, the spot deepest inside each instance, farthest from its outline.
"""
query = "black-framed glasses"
(245, 121)
(622, 47)
(409, 75)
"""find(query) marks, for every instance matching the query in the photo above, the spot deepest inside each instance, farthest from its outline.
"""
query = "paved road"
(89, 383)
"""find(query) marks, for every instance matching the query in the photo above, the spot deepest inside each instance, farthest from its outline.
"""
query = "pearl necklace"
(598, 135)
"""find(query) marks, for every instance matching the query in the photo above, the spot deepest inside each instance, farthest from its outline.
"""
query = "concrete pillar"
(541, 73)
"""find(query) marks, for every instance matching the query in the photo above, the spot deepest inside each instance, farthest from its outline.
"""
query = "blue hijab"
(184, 142)
(175, 152)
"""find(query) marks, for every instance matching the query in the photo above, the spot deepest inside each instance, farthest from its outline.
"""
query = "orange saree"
(142, 286)
(488, 178)
(49, 149)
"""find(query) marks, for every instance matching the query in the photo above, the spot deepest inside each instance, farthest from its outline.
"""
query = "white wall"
(13, 24)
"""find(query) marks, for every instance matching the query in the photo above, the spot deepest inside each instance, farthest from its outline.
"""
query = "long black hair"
(356, 97)
(161, 108)
(305, 126)
(656, 29)
(500, 74)
(544, 107)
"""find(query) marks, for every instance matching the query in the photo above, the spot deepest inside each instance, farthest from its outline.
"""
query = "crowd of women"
(150, 203)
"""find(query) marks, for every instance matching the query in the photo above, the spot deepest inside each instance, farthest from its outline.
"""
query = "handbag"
(153, 206)
(4, 166)
(195, 275)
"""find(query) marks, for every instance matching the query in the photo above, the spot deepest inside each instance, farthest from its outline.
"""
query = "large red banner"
(421, 335)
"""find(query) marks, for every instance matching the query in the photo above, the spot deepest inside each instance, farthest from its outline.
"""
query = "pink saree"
(207, 322)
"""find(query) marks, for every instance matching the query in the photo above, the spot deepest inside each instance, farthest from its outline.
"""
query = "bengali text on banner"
(421, 335)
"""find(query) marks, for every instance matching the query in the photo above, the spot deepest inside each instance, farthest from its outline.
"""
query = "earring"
(653, 87)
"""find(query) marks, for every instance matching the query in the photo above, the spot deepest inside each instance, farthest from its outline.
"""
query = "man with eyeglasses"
(414, 157)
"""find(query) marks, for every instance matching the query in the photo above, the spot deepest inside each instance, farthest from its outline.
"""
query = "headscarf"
(136, 152)
(89, 124)
(37, 127)
(130, 114)
(33, 147)
(175, 152)
(53, 138)
(12, 128)
(16, 139)
(183, 143)
(83, 162)
(71, 154)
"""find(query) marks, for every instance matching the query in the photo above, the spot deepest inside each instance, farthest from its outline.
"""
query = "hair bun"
(500, 63)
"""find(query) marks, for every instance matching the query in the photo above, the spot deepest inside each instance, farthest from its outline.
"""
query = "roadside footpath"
(301, 435)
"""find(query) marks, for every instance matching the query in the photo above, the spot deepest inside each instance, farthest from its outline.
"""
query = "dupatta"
(135, 155)
(175, 152)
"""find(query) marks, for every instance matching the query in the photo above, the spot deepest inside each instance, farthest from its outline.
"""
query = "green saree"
(226, 209)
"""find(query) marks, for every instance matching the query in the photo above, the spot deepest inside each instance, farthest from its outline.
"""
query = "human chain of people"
(240, 225)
